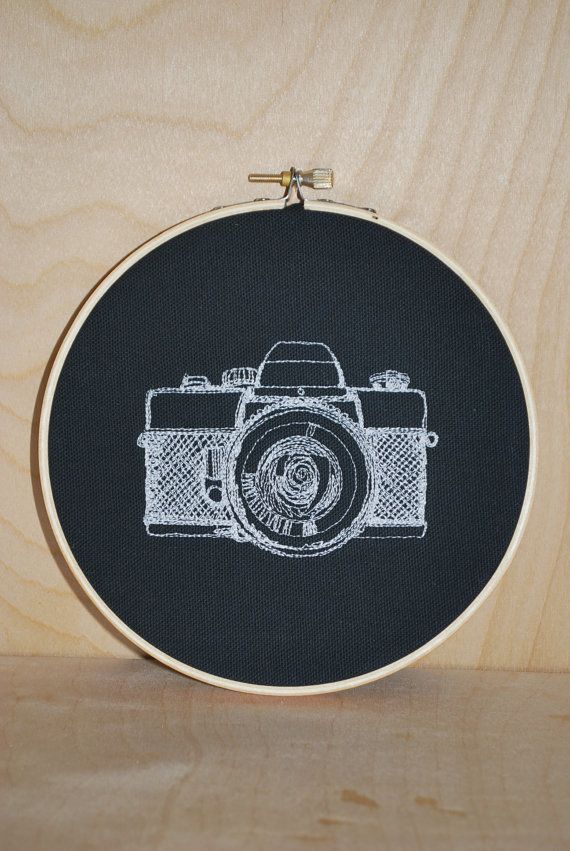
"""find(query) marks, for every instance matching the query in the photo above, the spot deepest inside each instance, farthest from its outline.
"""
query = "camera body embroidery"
(287, 456)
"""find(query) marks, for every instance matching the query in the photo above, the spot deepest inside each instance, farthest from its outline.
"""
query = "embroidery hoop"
(333, 208)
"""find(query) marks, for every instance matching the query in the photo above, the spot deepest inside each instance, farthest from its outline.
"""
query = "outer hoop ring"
(196, 221)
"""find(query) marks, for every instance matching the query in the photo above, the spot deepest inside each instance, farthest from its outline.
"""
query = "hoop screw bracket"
(316, 178)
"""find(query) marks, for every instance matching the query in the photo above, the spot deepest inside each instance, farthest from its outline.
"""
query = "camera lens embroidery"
(296, 479)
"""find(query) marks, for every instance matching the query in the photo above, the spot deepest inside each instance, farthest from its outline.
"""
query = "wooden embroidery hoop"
(295, 182)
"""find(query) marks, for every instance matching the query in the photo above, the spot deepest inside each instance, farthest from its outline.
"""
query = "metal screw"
(316, 178)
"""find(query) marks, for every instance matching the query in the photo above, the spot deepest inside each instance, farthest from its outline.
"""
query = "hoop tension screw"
(316, 178)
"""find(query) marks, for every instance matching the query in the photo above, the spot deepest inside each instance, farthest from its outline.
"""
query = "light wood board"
(117, 120)
(125, 754)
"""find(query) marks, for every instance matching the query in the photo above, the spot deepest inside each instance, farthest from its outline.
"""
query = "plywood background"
(121, 117)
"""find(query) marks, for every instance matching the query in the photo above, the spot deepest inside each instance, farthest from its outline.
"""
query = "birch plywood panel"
(122, 754)
(117, 120)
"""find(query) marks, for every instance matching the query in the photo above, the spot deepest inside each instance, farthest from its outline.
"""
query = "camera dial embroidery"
(287, 457)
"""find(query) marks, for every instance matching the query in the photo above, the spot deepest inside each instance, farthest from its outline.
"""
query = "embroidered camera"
(287, 457)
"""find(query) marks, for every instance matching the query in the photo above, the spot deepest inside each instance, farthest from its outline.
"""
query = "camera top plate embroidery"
(215, 419)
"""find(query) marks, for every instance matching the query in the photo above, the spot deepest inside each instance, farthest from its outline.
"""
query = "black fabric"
(219, 296)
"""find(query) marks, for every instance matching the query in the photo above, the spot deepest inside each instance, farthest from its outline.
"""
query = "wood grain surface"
(119, 118)
(101, 753)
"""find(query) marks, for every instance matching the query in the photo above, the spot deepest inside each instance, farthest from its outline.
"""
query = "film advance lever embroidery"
(287, 457)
